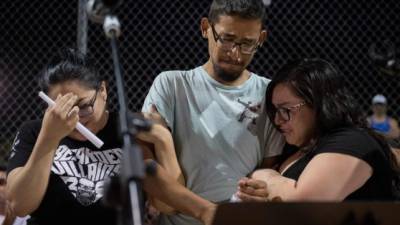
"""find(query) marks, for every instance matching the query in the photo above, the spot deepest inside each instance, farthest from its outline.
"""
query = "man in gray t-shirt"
(213, 111)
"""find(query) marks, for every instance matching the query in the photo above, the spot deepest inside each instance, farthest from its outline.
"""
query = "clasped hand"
(253, 190)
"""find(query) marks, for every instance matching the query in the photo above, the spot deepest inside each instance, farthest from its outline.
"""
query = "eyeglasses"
(285, 112)
(87, 109)
(228, 44)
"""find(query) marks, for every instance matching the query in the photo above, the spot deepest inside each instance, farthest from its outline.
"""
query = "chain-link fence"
(163, 35)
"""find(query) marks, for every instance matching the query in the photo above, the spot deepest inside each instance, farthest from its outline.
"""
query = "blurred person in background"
(7, 217)
(384, 124)
(380, 121)
(3, 199)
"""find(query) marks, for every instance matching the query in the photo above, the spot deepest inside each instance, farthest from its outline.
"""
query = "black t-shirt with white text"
(78, 172)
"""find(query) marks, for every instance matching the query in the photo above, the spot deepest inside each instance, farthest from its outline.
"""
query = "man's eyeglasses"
(86, 110)
(228, 44)
(285, 112)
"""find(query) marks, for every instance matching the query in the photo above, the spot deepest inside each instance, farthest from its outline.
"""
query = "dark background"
(163, 35)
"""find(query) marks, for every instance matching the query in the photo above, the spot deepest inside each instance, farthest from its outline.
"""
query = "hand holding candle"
(83, 130)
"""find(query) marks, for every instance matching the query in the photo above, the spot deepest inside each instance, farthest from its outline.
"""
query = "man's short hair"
(246, 9)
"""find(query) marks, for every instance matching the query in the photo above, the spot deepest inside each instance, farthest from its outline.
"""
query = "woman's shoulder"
(349, 134)
(358, 142)
(32, 123)
(31, 126)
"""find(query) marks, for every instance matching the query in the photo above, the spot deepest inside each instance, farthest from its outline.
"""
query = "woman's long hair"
(323, 89)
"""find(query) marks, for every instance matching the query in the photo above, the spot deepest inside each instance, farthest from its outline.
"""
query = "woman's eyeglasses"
(86, 110)
(285, 112)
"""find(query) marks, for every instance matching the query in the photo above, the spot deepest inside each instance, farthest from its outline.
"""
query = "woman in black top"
(57, 176)
(333, 156)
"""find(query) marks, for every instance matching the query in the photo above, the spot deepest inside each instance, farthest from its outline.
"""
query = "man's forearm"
(168, 190)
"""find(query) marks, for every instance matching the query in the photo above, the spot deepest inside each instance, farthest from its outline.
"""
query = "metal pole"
(82, 28)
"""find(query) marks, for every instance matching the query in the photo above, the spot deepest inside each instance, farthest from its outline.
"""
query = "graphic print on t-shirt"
(214, 118)
(84, 171)
(251, 111)
(14, 146)
(250, 114)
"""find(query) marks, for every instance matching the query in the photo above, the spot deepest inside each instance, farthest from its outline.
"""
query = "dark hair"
(69, 65)
(323, 88)
(247, 9)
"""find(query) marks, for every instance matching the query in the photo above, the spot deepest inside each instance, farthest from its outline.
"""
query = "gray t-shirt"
(217, 135)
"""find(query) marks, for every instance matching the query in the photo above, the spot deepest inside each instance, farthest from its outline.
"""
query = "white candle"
(83, 130)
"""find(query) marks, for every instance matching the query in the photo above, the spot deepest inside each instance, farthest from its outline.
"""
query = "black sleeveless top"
(357, 143)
